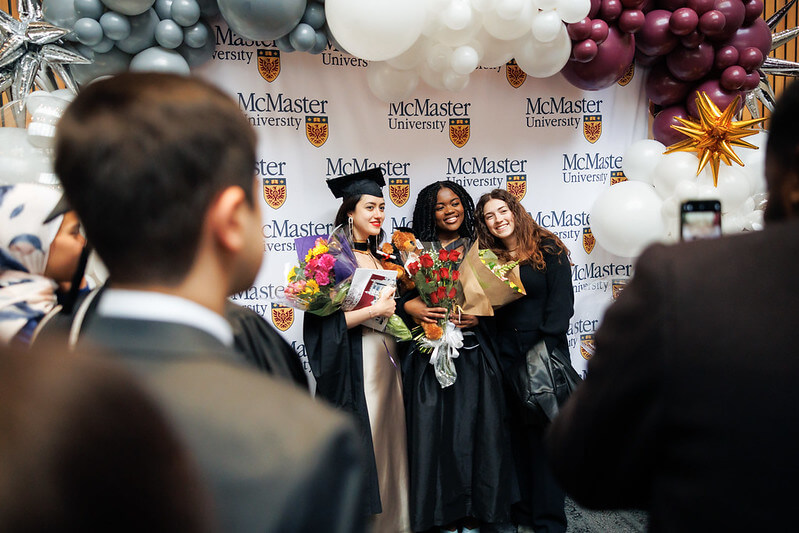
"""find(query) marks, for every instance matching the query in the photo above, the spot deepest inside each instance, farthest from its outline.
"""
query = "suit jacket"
(689, 406)
(274, 459)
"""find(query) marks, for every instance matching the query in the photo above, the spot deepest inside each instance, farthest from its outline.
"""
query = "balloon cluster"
(644, 209)
(155, 35)
(443, 41)
(603, 44)
(693, 46)
(294, 25)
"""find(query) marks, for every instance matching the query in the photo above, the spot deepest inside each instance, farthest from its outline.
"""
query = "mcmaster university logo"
(515, 75)
(592, 127)
(399, 190)
(587, 345)
(274, 192)
(269, 64)
(589, 241)
(459, 131)
(516, 184)
(282, 316)
(316, 130)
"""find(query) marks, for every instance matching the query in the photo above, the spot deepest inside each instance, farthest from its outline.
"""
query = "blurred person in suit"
(160, 169)
(687, 409)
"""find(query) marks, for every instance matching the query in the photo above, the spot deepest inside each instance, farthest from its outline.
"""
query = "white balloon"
(733, 188)
(376, 30)
(754, 168)
(547, 4)
(672, 169)
(457, 15)
(754, 220)
(41, 129)
(626, 217)
(453, 37)
(542, 60)
(686, 190)
(572, 11)
(21, 162)
(546, 25)
(496, 52)
(510, 9)
(388, 83)
(455, 82)
(483, 5)
(732, 223)
(438, 57)
(433, 78)
(509, 29)
(464, 60)
(640, 159)
(413, 56)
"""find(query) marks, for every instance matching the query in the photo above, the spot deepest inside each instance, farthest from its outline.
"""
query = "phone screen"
(700, 219)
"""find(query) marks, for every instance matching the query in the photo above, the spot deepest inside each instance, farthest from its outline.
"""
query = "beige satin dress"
(382, 380)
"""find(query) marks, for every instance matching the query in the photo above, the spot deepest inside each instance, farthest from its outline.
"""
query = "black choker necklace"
(361, 246)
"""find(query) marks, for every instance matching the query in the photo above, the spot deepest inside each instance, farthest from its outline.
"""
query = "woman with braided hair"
(460, 463)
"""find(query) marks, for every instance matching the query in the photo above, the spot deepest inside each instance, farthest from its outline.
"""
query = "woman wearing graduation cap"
(356, 368)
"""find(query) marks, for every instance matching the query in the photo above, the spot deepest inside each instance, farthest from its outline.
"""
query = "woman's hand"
(385, 304)
(463, 321)
(421, 313)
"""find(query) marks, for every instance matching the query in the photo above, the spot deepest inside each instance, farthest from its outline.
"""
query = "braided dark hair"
(424, 218)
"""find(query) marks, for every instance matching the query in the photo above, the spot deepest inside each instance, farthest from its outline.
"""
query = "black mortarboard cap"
(60, 208)
(366, 182)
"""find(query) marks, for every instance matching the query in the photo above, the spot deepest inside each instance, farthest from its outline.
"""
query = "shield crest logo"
(617, 176)
(282, 316)
(316, 130)
(399, 190)
(514, 74)
(274, 192)
(627, 77)
(516, 184)
(587, 345)
(592, 127)
(588, 240)
(459, 131)
(269, 64)
(617, 285)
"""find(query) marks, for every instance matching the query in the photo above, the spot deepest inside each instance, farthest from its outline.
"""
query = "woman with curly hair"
(504, 226)
(460, 462)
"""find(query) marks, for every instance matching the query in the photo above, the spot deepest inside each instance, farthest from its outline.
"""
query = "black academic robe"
(336, 357)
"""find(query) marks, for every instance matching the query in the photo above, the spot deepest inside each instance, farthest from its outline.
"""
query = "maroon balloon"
(632, 4)
(646, 6)
(718, 95)
(645, 60)
(692, 40)
(655, 37)
(683, 21)
(753, 9)
(757, 34)
(663, 89)
(631, 20)
(734, 13)
(661, 125)
(595, 5)
(579, 31)
(726, 56)
(712, 23)
(614, 57)
(733, 78)
(691, 64)
(599, 31)
(671, 5)
(701, 6)
(752, 81)
(586, 50)
(610, 10)
(750, 59)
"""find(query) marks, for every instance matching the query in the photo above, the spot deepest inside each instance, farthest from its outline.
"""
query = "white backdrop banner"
(552, 145)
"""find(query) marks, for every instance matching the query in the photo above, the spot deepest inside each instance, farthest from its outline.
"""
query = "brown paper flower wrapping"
(483, 291)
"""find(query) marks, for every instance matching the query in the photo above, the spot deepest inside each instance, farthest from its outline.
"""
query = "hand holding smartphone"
(700, 219)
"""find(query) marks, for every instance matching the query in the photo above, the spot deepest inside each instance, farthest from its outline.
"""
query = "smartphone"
(700, 219)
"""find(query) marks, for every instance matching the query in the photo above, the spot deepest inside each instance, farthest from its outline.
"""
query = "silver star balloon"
(31, 50)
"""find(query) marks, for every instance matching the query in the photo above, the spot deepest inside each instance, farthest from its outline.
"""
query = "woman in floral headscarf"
(39, 252)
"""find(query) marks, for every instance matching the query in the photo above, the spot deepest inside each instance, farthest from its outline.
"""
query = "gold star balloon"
(714, 135)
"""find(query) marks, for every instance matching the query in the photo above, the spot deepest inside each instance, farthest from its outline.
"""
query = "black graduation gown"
(459, 454)
(336, 358)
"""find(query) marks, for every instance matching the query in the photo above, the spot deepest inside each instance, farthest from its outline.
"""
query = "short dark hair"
(424, 223)
(141, 156)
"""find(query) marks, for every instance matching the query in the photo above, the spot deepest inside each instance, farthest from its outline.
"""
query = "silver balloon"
(196, 36)
(113, 62)
(262, 21)
(116, 26)
(88, 31)
(89, 8)
(782, 67)
(142, 33)
(157, 59)
(775, 19)
(185, 12)
(783, 37)
(197, 56)
(129, 7)
(169, 34)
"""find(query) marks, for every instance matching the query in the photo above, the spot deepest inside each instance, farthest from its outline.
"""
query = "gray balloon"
(157, 59)
(196, 36)
(262, 20)
(208, 8)
(303, 37)
(60, 12)
(88, 31)
(185, 12)
(129, 7)
(283, 44)
(197, 56)
(163, 8)
(89, 8)
(115, 25)
(169, 34)
(321, 43)
(142, 33)
(314, 15)
(103, 46)
(113, 62)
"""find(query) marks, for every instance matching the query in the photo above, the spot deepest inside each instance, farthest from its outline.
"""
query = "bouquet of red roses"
(435, 275)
